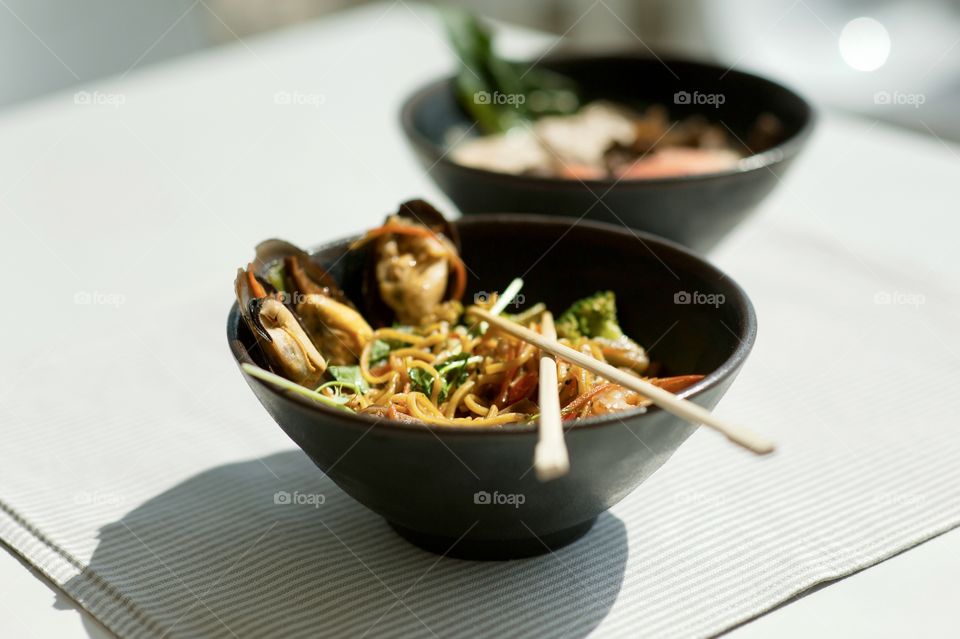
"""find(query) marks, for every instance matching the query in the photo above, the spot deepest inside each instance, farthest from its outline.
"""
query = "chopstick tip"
(550, 462)
(762, 447)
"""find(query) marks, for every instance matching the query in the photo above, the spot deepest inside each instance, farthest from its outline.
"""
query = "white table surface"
(200, 146)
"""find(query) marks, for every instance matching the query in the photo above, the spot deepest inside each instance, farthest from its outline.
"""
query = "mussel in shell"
(279, 333)
(414, 273)
(326, 313)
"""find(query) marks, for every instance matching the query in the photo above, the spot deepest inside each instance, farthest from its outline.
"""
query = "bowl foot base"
(492, 550)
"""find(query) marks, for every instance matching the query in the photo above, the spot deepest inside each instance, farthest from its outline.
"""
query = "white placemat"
(144, 485)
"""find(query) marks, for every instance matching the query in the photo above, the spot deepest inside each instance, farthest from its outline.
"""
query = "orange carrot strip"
(675, 384)
(255, 287)
(570, 410)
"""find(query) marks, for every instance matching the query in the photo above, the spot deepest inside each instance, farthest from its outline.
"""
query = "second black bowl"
(695, 210)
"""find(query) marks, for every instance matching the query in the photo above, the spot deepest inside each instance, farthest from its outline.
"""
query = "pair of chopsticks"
(550, 456)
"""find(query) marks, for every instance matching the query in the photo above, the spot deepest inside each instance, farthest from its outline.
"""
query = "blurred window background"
(883, 59)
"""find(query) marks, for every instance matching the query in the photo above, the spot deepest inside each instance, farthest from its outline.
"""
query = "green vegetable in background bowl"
(498, 93)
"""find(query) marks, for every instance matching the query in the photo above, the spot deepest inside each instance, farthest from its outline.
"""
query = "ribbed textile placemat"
(144, 487)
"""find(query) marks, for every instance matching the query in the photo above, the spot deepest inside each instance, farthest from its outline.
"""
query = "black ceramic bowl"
(436, 485)
(694, 210)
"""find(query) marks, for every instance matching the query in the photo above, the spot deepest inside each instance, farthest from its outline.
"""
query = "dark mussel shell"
(423, 212)
(249, 305)
(271, 251)
(253, 308)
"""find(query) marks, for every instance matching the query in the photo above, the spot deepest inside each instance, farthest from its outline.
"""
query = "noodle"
(390, 389)
(500, 367)
(436, 338)
(365, 366)
(397, 336)
(499, 420)
(454, 402)
(421, 408)
(471, 402)
(485, 380)
(418, 353)
(584, 380)
(466, 344)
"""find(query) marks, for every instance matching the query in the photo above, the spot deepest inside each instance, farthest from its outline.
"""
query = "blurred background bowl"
(695, 210)
(436, 485)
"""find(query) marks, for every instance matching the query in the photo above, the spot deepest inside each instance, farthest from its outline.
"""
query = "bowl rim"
(746, 337)
(750, 164)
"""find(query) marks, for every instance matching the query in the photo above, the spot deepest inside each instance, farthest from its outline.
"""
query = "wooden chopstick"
(550, 457)
(662, 398)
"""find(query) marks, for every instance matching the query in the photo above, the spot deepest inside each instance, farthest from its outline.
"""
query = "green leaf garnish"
(286, 384)
(421, 380)
(349, 375)
(379, 351)
(453, 372)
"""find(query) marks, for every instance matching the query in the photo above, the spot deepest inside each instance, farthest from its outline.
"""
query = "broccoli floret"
(593, 316)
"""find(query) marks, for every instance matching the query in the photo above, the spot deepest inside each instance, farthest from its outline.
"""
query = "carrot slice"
(256, 288)
(390, 229)
(675, 384)
(570, 410)
(521, 388)
(460, 271)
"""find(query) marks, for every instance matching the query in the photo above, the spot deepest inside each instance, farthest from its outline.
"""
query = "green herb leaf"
(275, 275)
(453, 372)
(350, 375)
(455, 369)
(379, 351)
(421, 380)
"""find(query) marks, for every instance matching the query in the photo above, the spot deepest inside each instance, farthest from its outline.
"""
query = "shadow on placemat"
(271, 547)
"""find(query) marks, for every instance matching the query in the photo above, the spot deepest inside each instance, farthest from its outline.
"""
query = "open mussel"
(413, 271)
(326, 313)
(279, 332)
(289, 268)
